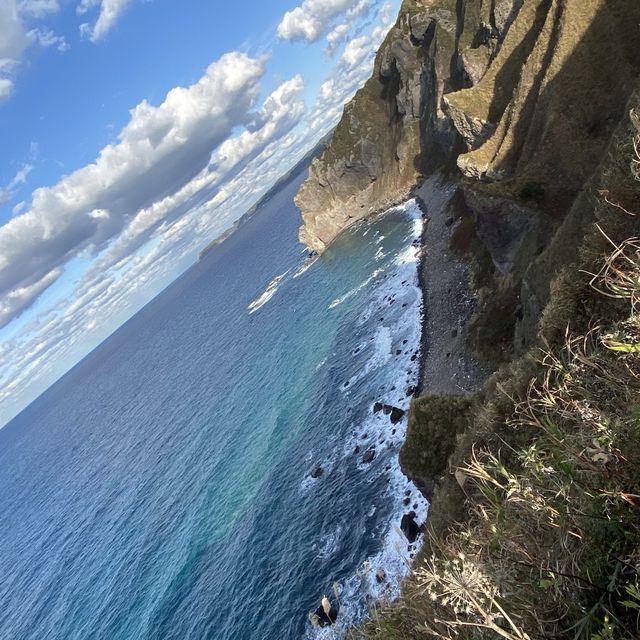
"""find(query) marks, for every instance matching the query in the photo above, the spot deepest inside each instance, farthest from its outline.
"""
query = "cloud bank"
(178, 174)
(313, 18)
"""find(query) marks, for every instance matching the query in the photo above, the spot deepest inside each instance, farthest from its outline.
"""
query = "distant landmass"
(281, 182)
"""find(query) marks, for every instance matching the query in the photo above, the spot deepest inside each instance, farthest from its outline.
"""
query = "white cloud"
(14, 39)
(313, 18)
(13, 42)
(38, 8)
(6, 88)
(355, 51)
(337, 36)
(20, 178)
(21, 297)
(110, 11)
(47, 38)
(161, 168)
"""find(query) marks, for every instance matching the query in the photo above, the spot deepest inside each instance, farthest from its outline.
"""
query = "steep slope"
(523, 95)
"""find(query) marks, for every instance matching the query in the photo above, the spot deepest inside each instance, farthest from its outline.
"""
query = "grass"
(551, 545)
(534, 530)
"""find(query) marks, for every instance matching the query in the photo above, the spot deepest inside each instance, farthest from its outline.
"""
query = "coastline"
(446, 365)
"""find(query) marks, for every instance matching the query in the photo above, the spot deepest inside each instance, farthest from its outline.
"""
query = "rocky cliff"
(521, 95)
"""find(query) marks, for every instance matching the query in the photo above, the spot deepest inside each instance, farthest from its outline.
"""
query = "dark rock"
(398, 352)
(325, 615)
(410, 391)
(454, 333)
(356, 451)
(396, 415)
(448, 222)
(381, 576)
(406, 502)
(377, 407)
(409, 526)
(368, 456)
(316, 472)
(386, 409)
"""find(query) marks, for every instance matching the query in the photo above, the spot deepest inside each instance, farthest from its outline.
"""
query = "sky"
(133, 132)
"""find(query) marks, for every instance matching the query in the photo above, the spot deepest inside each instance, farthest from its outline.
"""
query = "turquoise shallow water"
(161, 489)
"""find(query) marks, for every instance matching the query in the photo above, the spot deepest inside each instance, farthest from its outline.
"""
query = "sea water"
(162, 488)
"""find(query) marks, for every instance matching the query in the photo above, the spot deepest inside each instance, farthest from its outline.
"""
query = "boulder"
(409, 526)
(368, 456)
(325, 615)
(396, 415)
(316, 472)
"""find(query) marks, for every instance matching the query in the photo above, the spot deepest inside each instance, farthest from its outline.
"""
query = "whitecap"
(268, 293)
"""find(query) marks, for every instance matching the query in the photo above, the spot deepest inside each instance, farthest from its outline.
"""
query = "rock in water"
(409, 526)
(325, 615)
(396, 415)
(368, 456)
(317, 472)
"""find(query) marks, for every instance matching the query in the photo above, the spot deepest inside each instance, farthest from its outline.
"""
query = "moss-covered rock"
(434, 424)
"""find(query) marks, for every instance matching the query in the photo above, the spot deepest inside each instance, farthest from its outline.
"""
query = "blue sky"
(135, 131)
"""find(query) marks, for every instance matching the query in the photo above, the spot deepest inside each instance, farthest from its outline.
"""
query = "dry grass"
(551, 548)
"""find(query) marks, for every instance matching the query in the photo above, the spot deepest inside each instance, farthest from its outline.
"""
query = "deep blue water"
(161, 489)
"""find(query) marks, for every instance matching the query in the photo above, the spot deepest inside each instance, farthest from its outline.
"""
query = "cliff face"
(521, 95)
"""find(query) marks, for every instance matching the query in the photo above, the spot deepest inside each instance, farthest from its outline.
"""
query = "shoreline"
(446, 366)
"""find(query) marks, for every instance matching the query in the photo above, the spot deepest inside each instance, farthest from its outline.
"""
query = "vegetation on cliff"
(534, 528)
(529, 107)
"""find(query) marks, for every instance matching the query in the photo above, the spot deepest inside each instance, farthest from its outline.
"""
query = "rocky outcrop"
(521, 96)
(395, 128)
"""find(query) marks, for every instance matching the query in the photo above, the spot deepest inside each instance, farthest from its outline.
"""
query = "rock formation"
(521, 96)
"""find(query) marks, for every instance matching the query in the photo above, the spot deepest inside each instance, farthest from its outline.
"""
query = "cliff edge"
(521, 97)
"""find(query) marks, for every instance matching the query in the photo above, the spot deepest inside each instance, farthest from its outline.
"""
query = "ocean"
(162, 489)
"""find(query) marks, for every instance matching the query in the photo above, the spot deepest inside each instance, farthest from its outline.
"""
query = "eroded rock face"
(521, 94)
(395, 127)
(375, 155)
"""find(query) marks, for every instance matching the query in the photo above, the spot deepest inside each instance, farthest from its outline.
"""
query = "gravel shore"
(447, 366)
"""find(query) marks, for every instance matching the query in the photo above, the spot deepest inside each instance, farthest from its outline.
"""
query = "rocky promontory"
(520, 97)
(516, 125)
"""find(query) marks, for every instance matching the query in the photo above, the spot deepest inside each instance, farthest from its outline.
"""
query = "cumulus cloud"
(20, 298)
(109, 13)
(313, 18)
(13, 42)
(14, 39)
(356, 51)
(169, 160)
(6, 88)
(158, 151)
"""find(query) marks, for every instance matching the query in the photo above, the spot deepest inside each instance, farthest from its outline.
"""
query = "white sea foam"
(268, 293)
(355, 290)
(307, 263)
(395, 553)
